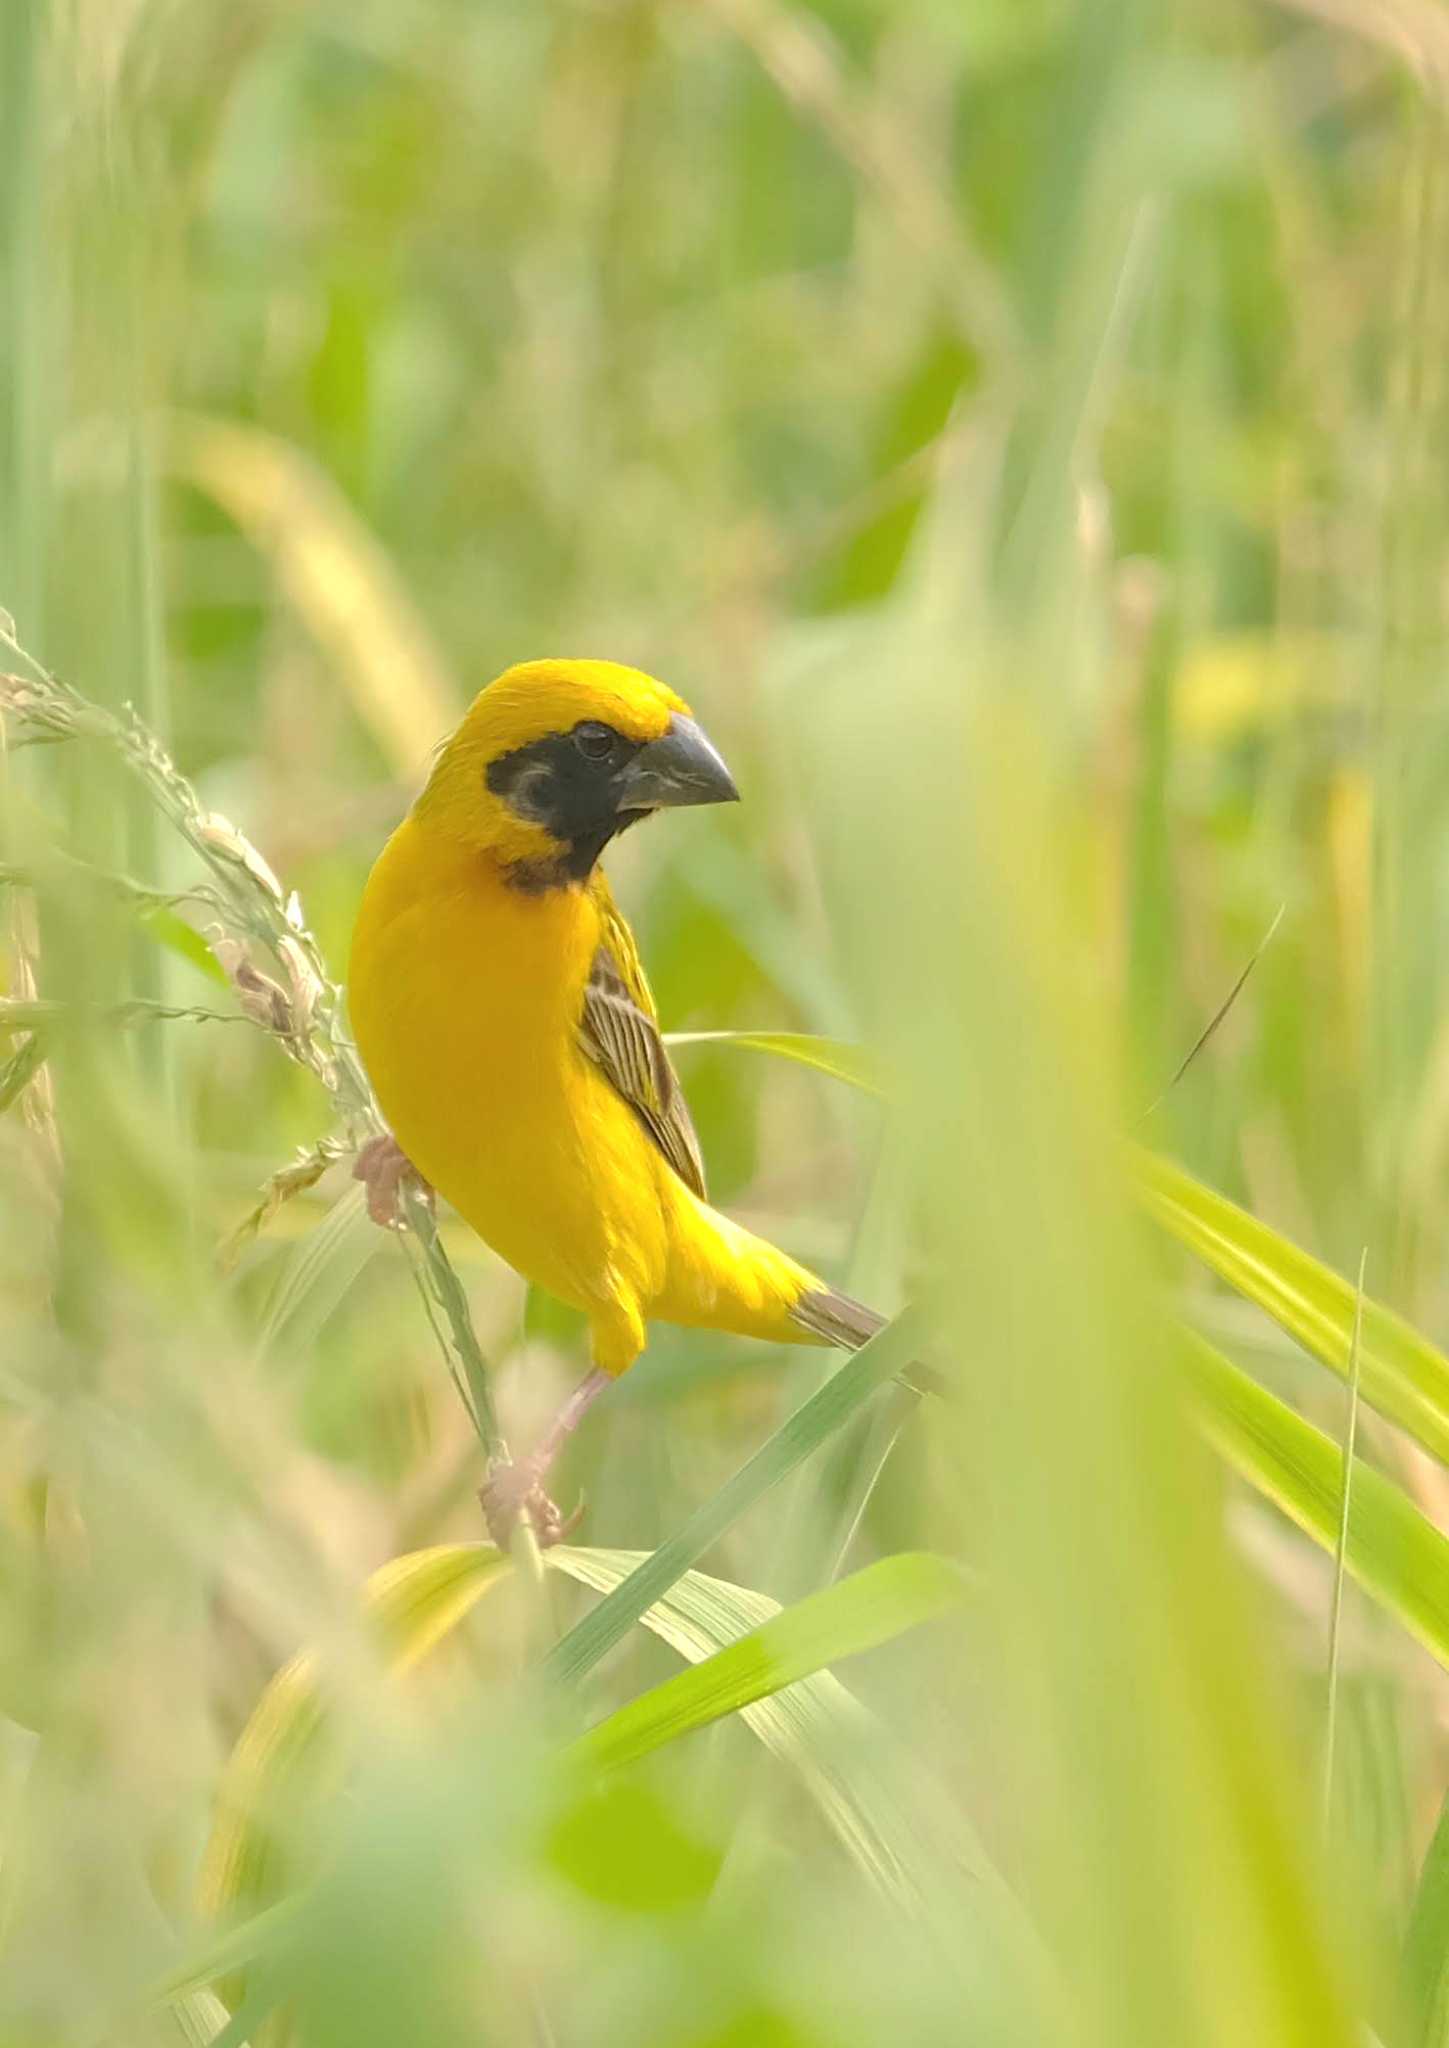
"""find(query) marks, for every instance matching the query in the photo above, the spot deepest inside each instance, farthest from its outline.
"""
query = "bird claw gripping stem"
(511, 1491)
(382, 1166)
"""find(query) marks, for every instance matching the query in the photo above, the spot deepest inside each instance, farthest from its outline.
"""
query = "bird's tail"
(836, 1318)
(726, 1278)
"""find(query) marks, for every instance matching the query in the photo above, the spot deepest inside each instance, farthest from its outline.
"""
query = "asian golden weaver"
(509, 1031)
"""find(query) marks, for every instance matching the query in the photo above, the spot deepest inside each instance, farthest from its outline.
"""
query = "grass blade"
(897, 1824)
(1392, 1551)
(900, 1827)
(855, 1614)
(833, 1056)
(317, 1273)
(201, 2020)
(1340, 1551)
(1403, 1376)
(1426, 1948)
(244, 1943)
(1218, 1015)
(20, 1069)
(253, 2013)
(842, 1396)
(881, 1809)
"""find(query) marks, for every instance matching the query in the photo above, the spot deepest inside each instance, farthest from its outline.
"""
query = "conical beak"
(680, 768)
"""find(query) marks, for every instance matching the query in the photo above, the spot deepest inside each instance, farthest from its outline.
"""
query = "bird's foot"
(382, 1166)
(511, 1491)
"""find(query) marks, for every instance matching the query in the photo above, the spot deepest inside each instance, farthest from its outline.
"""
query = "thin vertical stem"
(1340, 1557)
(443, 1288)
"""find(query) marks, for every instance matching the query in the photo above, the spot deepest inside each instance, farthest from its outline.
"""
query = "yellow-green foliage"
(1017, 427)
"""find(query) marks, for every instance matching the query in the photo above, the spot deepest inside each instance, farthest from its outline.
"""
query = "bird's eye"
(595, 742)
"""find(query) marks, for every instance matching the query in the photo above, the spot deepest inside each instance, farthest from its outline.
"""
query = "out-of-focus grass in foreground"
(1019, 429)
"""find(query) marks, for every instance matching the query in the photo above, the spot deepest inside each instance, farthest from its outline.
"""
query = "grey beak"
(680, 768)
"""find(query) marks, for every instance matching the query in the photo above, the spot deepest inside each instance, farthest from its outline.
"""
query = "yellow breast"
(465, 998)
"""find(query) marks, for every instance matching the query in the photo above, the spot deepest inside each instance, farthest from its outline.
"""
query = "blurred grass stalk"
(23, 409)
(1152, 1790)
(1153, 1794)
(102, 1178)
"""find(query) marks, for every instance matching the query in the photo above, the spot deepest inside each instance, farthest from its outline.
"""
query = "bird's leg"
(382, 1166)
(512, 1489)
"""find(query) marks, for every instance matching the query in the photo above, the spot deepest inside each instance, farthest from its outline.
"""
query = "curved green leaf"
(1426, 1947)
(818, 1727)
(910, 1839)
(261, 1936)
(161, 923)
(858, 1613)
(833, 1056)
(1402, 1374)
(1394, 1552)
(843, 1394)
(20, 1069)
(199, 2017)
(793, 1643)
(317, 1272)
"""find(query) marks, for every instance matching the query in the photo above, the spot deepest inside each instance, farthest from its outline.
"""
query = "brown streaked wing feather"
(619, 1030)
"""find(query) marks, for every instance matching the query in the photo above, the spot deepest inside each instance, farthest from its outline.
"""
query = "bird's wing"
(619, 1030)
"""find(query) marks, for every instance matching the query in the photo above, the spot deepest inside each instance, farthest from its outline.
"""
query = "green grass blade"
(162, 924)
(1340, 1549)
(199, 2019)
(236, 1948)
(1425, 1987)
(833, 1056)
(901, 1830)
(1392, 1551)
(895, 1821)
(899, 1825)
(855, 1614)
(317, 1273)
(244, 2022)
(20, 1069)
(1403, 1376)
(842, 1396)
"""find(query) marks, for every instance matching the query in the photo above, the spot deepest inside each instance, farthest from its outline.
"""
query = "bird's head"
(556, 757)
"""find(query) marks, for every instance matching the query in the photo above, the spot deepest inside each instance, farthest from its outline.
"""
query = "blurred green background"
(1018, 427)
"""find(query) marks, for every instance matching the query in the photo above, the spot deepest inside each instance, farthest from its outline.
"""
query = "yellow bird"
(510, 1034)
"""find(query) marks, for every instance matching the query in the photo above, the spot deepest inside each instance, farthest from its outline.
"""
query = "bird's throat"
(574, 862)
